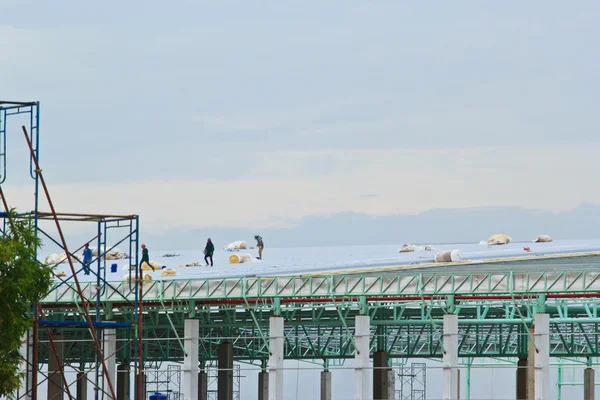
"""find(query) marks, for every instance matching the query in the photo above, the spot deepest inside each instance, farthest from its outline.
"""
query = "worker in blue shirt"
(87, 258)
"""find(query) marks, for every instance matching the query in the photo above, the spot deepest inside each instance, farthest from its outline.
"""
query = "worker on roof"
(145, 258)
(209, 250)
(87, 258)
(260, 245)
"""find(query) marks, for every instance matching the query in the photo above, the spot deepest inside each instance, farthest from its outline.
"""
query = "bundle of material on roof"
(193, 264)
(448, 256)
(240, 258)
(168, 272)
(236, 246)
(153, 266)
(499, 239)
(408, 248)
(543, 239)
(131, 277)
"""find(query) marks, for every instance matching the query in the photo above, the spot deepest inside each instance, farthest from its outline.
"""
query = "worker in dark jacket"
(260, 245)
(209, 250)
(145, 258)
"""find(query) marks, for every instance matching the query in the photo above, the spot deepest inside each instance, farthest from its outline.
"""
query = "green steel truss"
(495, 313)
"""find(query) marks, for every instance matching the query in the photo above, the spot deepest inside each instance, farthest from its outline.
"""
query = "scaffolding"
(212, 373)
(43, 342)
(413, 382)
(165, 381)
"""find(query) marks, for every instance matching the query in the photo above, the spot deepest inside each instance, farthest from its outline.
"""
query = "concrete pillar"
(55, 364)
(225, 373)
(82, 386)
(391, 384)
(380, 375)
(202, 385)
(589, 384)
(123, 379)
(450, 358)
(26, 352)
(144, 380)
(191, 333)
(521, 379)
(110, 358)
(325, 385)
(542, 356)
(530, 364)
(263, 385)
(276, 358)
(362, 331)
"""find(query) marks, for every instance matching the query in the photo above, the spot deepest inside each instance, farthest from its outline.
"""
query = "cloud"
(290, 185)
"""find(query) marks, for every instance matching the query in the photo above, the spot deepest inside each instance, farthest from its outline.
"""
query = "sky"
(263, 114)
(238, 114)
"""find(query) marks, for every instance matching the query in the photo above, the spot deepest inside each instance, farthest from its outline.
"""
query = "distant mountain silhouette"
(433, 226)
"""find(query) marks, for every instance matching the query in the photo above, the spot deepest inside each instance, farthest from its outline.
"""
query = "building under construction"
(186, 337)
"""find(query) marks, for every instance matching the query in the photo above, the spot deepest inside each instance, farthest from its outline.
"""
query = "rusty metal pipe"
(64, 242)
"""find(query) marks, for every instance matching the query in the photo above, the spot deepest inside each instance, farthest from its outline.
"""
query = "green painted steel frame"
(265, 289)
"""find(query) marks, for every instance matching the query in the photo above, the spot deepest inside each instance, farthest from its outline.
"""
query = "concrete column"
(81, 386)
(276, 358)
(144, 380)
(225, 374)
(110, 358)
(542, 356)
(521, 379)
(450, 358)
(391, 384)
(191, 333)
(589, 384)
(55, 364)
(325, 385)
(26, 367)
(202, 385)
(362, 331)
(263, 385)
(380, 375)
(123, 379)
(530, 364)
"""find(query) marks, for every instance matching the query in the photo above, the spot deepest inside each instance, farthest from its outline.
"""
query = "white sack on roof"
(113, 254)
(448, 256)
(543, 239)
(499, 239)
(58, 259)
(236, 246)
(408, 248)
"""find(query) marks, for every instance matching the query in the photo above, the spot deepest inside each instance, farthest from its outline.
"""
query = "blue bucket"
(113, 268)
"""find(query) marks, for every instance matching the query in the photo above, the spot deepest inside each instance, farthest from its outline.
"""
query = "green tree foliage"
(23, 282)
